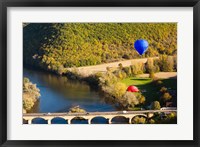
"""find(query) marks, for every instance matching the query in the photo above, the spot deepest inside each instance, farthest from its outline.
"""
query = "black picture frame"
(4, 4)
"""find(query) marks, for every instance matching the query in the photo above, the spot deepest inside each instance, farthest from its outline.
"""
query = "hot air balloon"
(141, 46)
(132, 89)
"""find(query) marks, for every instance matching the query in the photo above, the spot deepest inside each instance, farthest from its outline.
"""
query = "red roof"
(132, 89)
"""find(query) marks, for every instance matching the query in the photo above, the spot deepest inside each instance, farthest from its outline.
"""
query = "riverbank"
(107, 80)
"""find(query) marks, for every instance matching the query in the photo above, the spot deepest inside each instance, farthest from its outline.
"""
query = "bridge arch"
(100, 118)
(78, 120)
(58, 120)
(39, 120)
(119, 119)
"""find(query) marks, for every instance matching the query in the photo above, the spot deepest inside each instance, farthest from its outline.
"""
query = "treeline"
(153, 65)
(56, 46)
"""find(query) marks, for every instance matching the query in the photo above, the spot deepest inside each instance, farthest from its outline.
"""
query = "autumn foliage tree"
(30, 94)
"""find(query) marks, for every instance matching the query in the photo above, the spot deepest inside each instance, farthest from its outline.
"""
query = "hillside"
(55, 46)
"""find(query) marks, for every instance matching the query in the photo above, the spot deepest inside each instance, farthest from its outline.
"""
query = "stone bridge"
(90, 115)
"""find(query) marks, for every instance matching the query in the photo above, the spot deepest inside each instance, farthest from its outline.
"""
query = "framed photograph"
(100, 73)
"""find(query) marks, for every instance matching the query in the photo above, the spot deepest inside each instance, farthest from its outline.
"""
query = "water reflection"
(58, 120)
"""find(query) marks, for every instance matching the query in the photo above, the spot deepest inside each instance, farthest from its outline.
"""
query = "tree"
(28, 101)
(127, 70)
(107, 79)
(129, 100)
(26, 80)
(152, 121)
(152, 76)
(137, 68)
(170, 63)
(149, 65)
(139, 120)
(30, 94)
(159, 82)
(76, 109)
(142, 99)
(155, 105)
(166, 63)
(166, 96)
(61, 70)
(118, 89)
(163, 89)
(120, 66)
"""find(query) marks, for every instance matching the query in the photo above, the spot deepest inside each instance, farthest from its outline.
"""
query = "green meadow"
(149, 88)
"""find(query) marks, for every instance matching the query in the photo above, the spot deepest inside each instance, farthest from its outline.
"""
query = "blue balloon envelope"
(141, 46)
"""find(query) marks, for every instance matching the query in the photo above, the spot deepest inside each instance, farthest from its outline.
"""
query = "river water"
(58, 94)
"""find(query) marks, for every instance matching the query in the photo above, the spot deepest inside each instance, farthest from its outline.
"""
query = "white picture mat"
(181, 131)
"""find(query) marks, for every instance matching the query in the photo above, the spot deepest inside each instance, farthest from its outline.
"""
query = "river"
(59, 94)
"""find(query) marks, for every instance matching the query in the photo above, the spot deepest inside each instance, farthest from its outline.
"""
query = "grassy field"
(149, 89)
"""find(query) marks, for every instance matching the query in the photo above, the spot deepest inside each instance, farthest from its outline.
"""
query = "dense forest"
(56, 46)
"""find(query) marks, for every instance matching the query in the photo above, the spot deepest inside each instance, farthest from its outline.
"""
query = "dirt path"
(88, 70)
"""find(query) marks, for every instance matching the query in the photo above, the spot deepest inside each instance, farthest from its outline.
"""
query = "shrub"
(163, 89)
(26, 80)
(137, 68)
(172, 115)
(139, 120)
(166, 63)
(159, 82)
(152, 121)
(155, 105)
(129, 99)
(118, 89)
(151, 75)
(156, 65)
(127, 70)
(120, 66)
(149, 66)
(120, 74)
(141, 99)
(28, 101)
(166, 96)
(76, 109)
(170, 63)
(107, 79)
(61, 70)
(124, 75)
